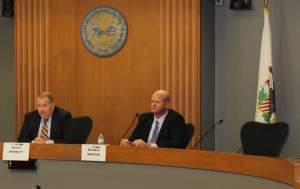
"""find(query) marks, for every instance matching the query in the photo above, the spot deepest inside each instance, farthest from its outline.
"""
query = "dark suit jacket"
(172, 132)
(32, 121)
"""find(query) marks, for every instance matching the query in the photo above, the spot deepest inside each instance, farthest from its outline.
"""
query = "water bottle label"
(100, 141)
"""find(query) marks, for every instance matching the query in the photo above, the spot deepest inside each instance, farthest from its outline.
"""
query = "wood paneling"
(31, 57)
(162, 51)
(180, 56)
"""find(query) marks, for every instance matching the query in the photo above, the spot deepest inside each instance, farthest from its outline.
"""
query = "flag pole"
(266, 3)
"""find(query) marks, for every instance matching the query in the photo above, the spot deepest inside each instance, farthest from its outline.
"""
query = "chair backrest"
(263, 139)
(189, 132)
(78, 129)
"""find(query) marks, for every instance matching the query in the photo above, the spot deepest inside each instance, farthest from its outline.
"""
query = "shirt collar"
(161, 118)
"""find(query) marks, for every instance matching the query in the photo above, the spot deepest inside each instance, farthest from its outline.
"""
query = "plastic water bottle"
(100, 139)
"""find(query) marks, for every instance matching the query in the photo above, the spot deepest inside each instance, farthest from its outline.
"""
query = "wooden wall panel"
(30, 53)
(110, 89)
(159, 53)
(180, 56)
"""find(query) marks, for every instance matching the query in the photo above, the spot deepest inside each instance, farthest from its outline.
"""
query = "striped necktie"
(155, 133)
(44, 133)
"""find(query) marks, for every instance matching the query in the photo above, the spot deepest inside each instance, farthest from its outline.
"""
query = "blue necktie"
(155, 133)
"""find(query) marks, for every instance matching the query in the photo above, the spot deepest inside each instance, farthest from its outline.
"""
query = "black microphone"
(131, 124)
(211, 127)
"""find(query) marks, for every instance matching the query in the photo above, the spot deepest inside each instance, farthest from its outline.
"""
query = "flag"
(265, 104)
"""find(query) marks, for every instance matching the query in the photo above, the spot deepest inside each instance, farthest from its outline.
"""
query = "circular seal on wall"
(104, 31)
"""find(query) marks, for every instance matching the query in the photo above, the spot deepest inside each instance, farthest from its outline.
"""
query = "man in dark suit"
(162, 127)
(45, 123)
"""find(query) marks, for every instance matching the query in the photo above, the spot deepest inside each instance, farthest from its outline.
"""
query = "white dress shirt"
(160, 120)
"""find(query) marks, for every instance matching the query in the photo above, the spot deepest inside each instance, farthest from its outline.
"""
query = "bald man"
(162, 127)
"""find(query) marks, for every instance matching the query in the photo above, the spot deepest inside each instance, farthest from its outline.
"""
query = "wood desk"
(279, 170)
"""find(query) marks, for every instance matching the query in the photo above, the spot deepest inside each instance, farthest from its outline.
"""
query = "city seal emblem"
(104, 31)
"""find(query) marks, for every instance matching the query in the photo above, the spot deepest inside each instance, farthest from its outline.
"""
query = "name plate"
(15, 151)
(93, 152)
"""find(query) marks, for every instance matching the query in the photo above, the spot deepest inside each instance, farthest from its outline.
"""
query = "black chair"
(189, 132)
(77, 130)
(263, 139)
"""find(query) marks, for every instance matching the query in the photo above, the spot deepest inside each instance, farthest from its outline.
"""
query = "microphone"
(131, 124)
(211, 127)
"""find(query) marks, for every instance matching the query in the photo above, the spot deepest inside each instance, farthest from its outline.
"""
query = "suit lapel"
(163, 130)
(148, 125)
(54, 123)
(35, 126)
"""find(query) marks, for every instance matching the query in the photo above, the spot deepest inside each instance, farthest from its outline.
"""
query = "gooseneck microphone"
(211, 127)
(131, 124)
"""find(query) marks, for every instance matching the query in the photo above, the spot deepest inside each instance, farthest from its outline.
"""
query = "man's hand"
(39, 140)
(140, 143)
(125, 142)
